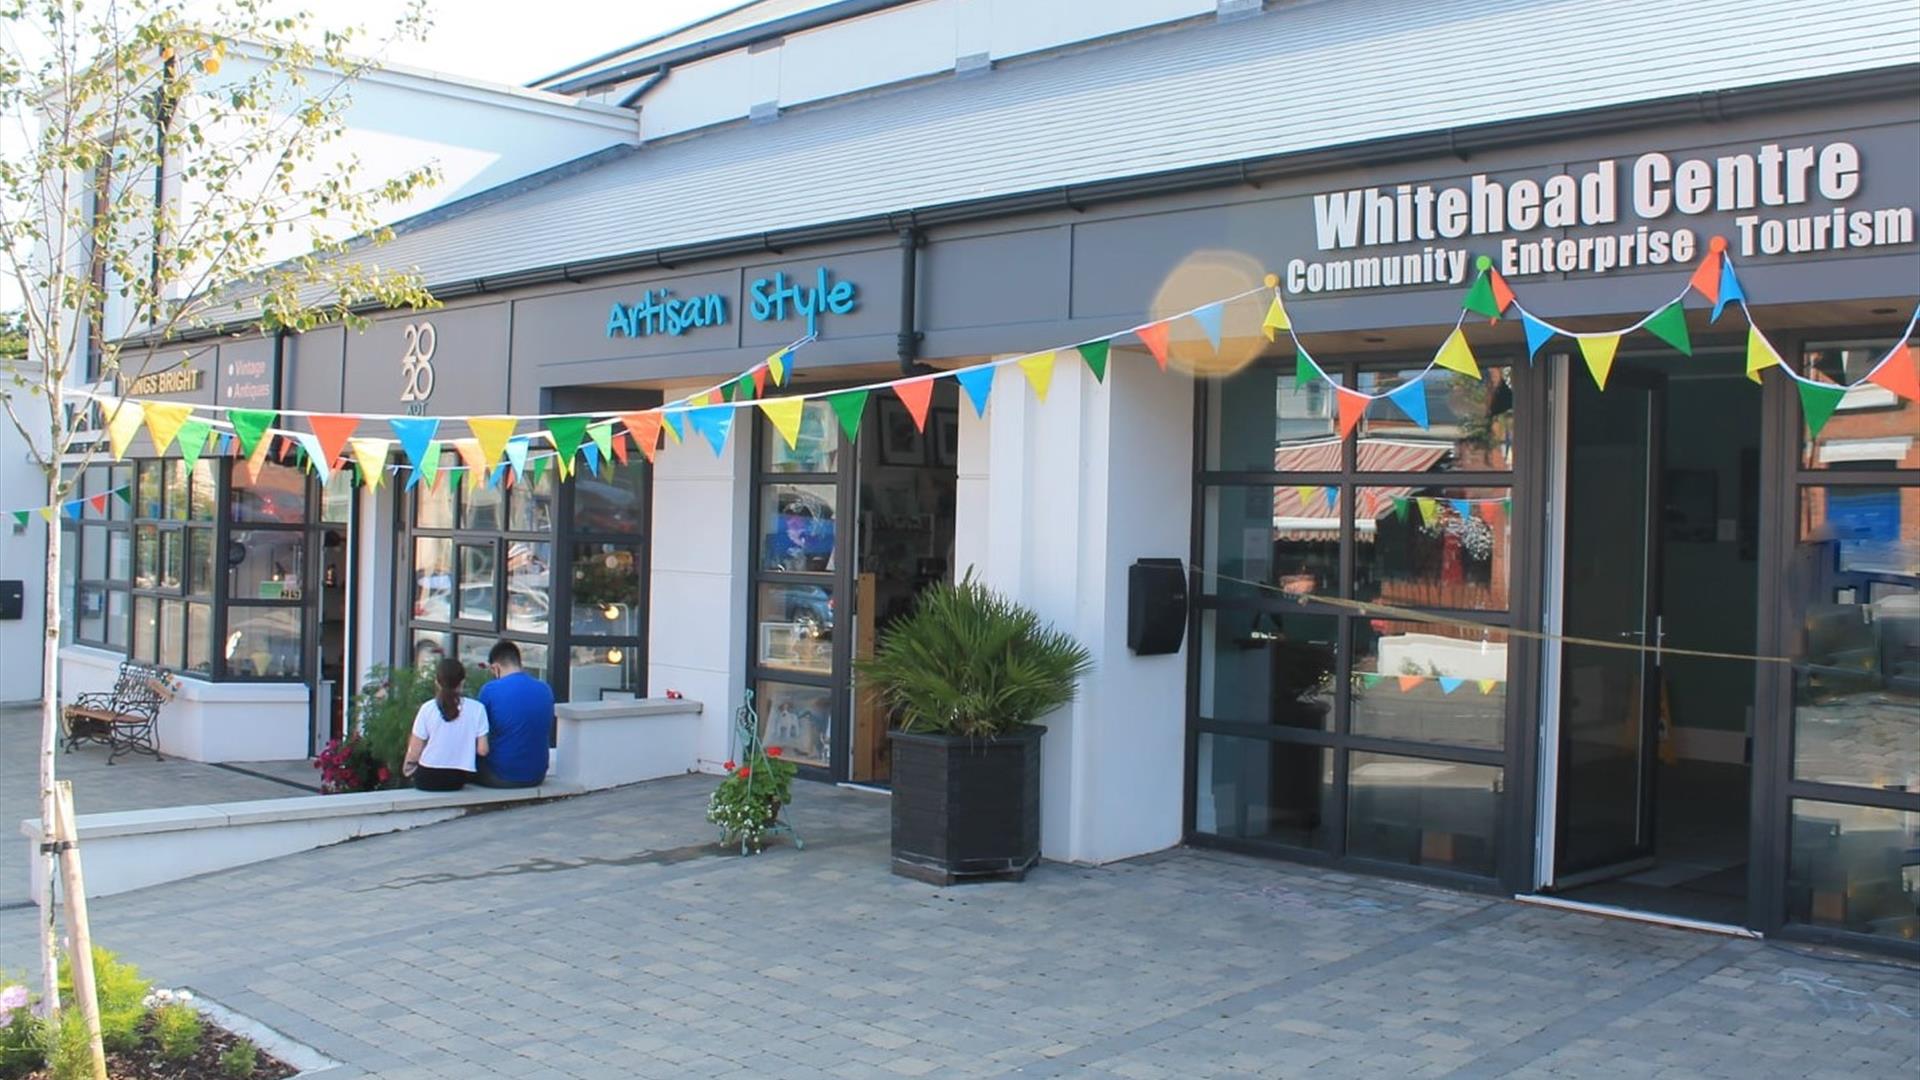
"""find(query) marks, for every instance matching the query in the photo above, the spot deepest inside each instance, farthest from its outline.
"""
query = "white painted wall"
(697, 594)
(23, 554)
(207, 721)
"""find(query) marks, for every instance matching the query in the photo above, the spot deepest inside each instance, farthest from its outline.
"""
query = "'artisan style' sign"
(769, 299)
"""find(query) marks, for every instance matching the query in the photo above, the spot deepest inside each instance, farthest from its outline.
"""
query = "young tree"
(171, 169)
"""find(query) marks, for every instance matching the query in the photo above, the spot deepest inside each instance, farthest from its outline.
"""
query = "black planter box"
(966, 809)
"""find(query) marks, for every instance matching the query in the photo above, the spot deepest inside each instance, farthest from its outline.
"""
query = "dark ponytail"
(447, 679)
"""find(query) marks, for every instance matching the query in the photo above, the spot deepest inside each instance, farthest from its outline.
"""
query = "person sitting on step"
(520, 708)
(449, 732)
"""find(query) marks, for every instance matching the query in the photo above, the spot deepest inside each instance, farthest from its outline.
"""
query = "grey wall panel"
(468, 356)
(571, 327)
(1012, 277)
(244, 374)
(183, 373)
(869, 281)
(314, 374)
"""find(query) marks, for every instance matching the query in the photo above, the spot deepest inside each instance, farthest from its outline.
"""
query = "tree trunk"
(50, 728)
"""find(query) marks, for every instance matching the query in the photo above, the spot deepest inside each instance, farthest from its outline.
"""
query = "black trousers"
(428, 778)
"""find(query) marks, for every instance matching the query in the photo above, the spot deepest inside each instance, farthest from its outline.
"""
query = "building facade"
(1653, 647)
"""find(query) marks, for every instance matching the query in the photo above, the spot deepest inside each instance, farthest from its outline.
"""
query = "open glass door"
(1609, 697)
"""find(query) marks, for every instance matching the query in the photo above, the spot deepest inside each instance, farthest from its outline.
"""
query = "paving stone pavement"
(606, 936)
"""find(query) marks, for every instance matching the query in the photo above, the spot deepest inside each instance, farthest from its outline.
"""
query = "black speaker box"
(1156, 606)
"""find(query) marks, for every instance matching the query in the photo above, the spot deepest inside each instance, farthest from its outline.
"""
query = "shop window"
(606, 590)
(606, 569)
(1252, 789)
(1267, 668)
(1433, 546)
(1872, 427)
(96, 566)
(1428, 682)
(1469, 424)
(267, 586)
(1424, 812)
(1853, 868)
(170, 550)
(816, 448)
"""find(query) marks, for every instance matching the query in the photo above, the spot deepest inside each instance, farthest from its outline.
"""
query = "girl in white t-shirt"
(447, 733)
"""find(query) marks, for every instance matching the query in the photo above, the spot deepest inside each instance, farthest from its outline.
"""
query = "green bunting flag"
(125, 495)
(602, 436)
(20, 517)
(1095, 354)
(193, 440)
(1369, 681)
(1480, 299)
(249, 425)
(1669, 324)
(849, 407)
(567, 432)
(1400, 507)
(539, 468)
(1305, 371)
(743, 388)
(1818, 400)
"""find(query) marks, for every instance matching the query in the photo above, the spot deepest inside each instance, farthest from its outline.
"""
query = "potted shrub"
(967, 674)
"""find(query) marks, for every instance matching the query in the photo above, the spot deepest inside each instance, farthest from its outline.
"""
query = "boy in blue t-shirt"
(520, 710)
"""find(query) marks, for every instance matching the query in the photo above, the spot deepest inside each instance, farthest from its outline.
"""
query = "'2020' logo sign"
(416, 364)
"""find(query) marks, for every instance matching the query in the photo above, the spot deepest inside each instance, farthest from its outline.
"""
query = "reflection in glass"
(1433, 547)
(473, 650)
(816, 450)
(264, 564)
(1855, 585)
(433, 506)
(795, 627)
(1260, 421)
(93, 552)
(798, 719)
(263, 642)
(606, 590)
(1872, 427)
(1253, 789)
(480, 504)
(476, 583)
(1469, 423)
(146, 557)
(205, 491)
(173, 558)
(1428, 682)
(1854, 868)
(530, 503)
(200, 561)
(613, 502)
(173, 634)
(146, 500)
(430, 647)
(1268, 668)
(199, 639)
(119, 555)
(117, 604)
(176, 483)
(528, 577)
(119, 477)
(336, 498)
(432, 578)
(603, 672)
(278, 494)
(1277, 536)
(93, 613)
(1423, 813)
(797, 527)
(146, 627)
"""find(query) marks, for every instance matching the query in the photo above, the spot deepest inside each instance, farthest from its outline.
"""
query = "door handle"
(1659, 637)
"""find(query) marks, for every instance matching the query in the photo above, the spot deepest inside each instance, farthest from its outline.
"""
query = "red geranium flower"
(773, 751)
(746, 770)
(384, 774)
(727, 765)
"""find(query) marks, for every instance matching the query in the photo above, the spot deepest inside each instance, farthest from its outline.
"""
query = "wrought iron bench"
(124, 719)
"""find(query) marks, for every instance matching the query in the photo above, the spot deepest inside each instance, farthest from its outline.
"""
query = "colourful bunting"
(1408, 682)
(249, 425)
(849, 406)
(602, 436)
(1462, 507)
(1400, 507)
(371, 455)
(1353, 406)
(164, 420)
(332, 432)
(675, 428)
(1210, 318)
(1411, 398)
(1154, 337)
(590, 453)
(1669, 324)
(46, 514)
(72, 509)
(98, 502)
(1730, 290)
(917, 394)
(415, 434)
(516, 451)
(1095, 354)
(491, 434)
(1429, 511)
(1307, 493)
(1276, 319)
(714, 422)
(1760, 353)
(1456, 355)
(1369, 680)
(472, 457)
(539, 467)
(1598, 351)
(193, 437)
(1039, 370)
(777, 367)
(20, 518)
(1480, 299)
(1706, 276)
(785, 414)
(256, 460)
(1306, 371)
(1502, 292)
(1898, 372)
(317, 458)
(759, 377)
(566, 432)
(1817, 401)
(1448, 684)
(1487, 685)
(619, 445)
(645, 429)
(1333, 496)
(978, 383)
(1538, 334)
(427, 465)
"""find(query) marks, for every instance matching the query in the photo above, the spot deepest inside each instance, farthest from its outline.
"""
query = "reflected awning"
(1311, 517)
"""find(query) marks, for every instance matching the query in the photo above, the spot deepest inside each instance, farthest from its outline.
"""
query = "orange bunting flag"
(1706, 276)
(492, 433)
(1039, 369)
(1154, 336)
(1898, 373)
(470, 454)
(1353, 406)
(123, 426)
(1760, 353)
(1276, 319)
(917, 394)
(1598, 352)
(164, 420)
(785, 414)
(371, 456)
(1456, 355)
(256, 460)
(1408, 682)
(1502, 292)
(333, 431)
(759, 380)
(645, 429)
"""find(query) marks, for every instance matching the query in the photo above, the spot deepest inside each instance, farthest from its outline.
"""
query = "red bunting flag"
(333, 431)
(1502, 292)
(1154, 336)
(759, 381)
(619, 448)
(1898, 373)
(99, 503)
(1706, 276)
(1408, 682)
(645, 429)
(918, 394)
(1353, 406)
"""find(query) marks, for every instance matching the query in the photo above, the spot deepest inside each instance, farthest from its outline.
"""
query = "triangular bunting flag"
(618, 445)
(20, 517)
(743, 388)
(1538, 334)
(164, 420)
(427, 465)
(1353, 406)
(675, 428)
(645, 429)
(1429, 510)
(256, 461)
(1897, 372)
(1276, 319)
(849, 406)
(98, 502)
(1400, 507)
(1502, 292)
(472, 458)
(777, 367)
(1095, 354)
(193, 440)
(492, 433)
(413, 480)
(332, 432)
(1669, 324)
(1210, 318)
(1154, 337)
(1369, 680)
(713, 421)
(1760, 353)
(371, 455)
(602, 436)
(1449, 684)
(1039, 369)
(567, 433)
(785, 414)
(590, 453)
(1706, 276)
(1307, 493)
(415, 434)
(978, 383)
(1333, 496)
(1305, 371)
(1817, 401)
(1730, 290)
(539, 467)
(317, 458)
(1408, 682)
(1487, 685)
(1480, 299)
(916, 394)
(249, 425)
(1599, 355)
(73, 509)
(516, 451)
(1463, 507)
(1411, 398)
(46, 513)
(1456, 355)
(759, 377)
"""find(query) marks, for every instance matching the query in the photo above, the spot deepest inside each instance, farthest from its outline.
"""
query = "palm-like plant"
(970, 662)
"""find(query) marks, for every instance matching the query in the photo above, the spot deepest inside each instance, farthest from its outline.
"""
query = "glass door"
(1609, 691)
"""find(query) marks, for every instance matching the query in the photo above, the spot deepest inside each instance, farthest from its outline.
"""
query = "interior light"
(610, 612)
(614, 656)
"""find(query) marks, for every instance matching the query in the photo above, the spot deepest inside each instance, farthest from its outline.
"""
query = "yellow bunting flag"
(492, 433)
(1455, 355)
(371, 455)
(785, 414)
(1761, 354)
(1307, 493)
(164, 420)
(470, 455)
(1487, 685)
(46, 512)
(1039, 369)
(777, 367)
(1429, 510)
(123, 426)
(1599, 354)
(1276, 319)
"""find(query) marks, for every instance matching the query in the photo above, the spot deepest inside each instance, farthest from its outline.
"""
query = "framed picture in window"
(901, 442)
